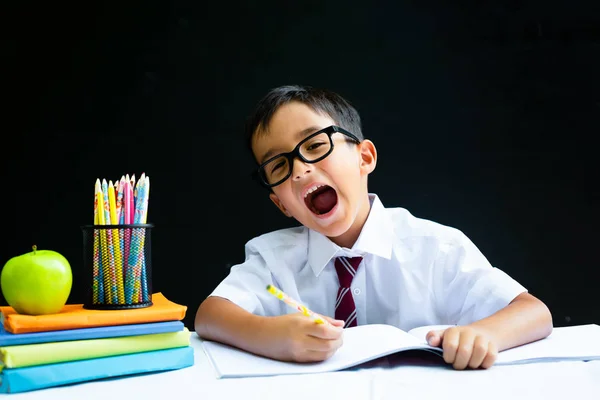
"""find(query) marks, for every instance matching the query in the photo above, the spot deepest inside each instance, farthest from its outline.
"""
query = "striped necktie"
(345, 308)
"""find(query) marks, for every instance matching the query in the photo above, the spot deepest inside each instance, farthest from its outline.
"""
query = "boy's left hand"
(465, 346)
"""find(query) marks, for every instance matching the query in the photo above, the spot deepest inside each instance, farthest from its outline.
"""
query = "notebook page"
(361, 344)
(422, 331)
(564, 343)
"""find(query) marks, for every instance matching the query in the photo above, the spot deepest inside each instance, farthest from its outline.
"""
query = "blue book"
(13, 339)
(26, 379)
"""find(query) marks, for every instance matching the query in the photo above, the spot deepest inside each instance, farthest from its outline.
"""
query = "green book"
(55, 352)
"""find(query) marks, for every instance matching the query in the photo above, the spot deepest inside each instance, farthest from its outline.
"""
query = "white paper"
(368, 342)
(564, 343)
(361, 344)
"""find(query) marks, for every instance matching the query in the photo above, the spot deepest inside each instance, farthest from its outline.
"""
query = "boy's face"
(329, 196)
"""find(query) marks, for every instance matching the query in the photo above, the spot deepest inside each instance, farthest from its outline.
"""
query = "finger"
(324, 331)
(434, 338)
(334, 322)
(480, 349)
(491, 356)
(312, 343)
(465, 350)
(450, 344)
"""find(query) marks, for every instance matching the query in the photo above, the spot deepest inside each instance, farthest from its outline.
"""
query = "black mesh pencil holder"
(118, 265)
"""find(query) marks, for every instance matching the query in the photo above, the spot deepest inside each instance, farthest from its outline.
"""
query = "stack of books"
(79, 345)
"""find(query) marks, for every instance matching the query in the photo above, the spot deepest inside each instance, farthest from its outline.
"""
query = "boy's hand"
(297, 337)
(465, 346)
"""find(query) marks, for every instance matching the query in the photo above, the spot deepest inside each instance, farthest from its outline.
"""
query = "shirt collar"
(375, 238)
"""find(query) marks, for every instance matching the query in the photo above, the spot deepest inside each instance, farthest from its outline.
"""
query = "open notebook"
(368, 342)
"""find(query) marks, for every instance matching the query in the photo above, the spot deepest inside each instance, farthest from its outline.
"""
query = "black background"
(483, 113)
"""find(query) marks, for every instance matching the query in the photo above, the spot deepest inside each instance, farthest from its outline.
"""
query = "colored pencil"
(294, 304)
(116, 244)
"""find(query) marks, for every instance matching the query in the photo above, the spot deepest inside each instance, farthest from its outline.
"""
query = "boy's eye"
(277, 165)
(314, 146)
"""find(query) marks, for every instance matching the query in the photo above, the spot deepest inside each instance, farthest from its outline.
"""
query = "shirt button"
(356, 291)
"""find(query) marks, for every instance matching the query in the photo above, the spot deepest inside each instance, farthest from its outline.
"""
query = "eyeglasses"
(312, 149)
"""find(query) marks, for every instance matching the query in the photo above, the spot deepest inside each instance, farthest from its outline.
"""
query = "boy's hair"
(320, 100)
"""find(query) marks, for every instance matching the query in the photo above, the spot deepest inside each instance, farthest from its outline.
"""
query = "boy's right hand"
(296, 337)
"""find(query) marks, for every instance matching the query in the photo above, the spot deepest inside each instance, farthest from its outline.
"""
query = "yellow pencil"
(293, 303)
(104, 246)
(112, 205)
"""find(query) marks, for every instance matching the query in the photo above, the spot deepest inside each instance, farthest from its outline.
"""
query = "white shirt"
(414, 273)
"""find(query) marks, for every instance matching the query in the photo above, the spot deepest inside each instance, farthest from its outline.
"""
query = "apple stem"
(34, 247)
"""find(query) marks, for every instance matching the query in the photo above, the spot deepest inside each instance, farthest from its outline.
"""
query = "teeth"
(312, 189)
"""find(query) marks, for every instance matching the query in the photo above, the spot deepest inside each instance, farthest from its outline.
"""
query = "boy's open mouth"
(322, 200)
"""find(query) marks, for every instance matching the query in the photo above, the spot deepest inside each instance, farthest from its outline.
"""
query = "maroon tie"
(345, 309)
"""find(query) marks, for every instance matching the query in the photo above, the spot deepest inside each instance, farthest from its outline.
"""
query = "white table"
(580, 380)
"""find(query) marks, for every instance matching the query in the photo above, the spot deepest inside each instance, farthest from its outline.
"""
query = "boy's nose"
(300, 168)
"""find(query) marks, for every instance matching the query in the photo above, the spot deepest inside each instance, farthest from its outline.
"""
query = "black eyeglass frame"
(291, 155)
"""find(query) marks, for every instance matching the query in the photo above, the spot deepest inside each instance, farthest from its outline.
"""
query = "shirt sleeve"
(246, 285)
(471, 288)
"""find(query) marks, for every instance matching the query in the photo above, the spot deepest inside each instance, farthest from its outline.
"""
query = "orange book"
(74, 316)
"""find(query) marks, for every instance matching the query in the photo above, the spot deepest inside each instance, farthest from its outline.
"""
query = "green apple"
(37, 283)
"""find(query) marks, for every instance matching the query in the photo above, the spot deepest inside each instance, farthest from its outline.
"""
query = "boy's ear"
(368, 156)
(279, 204)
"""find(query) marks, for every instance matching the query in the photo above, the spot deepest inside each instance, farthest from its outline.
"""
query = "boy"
(354, 261)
